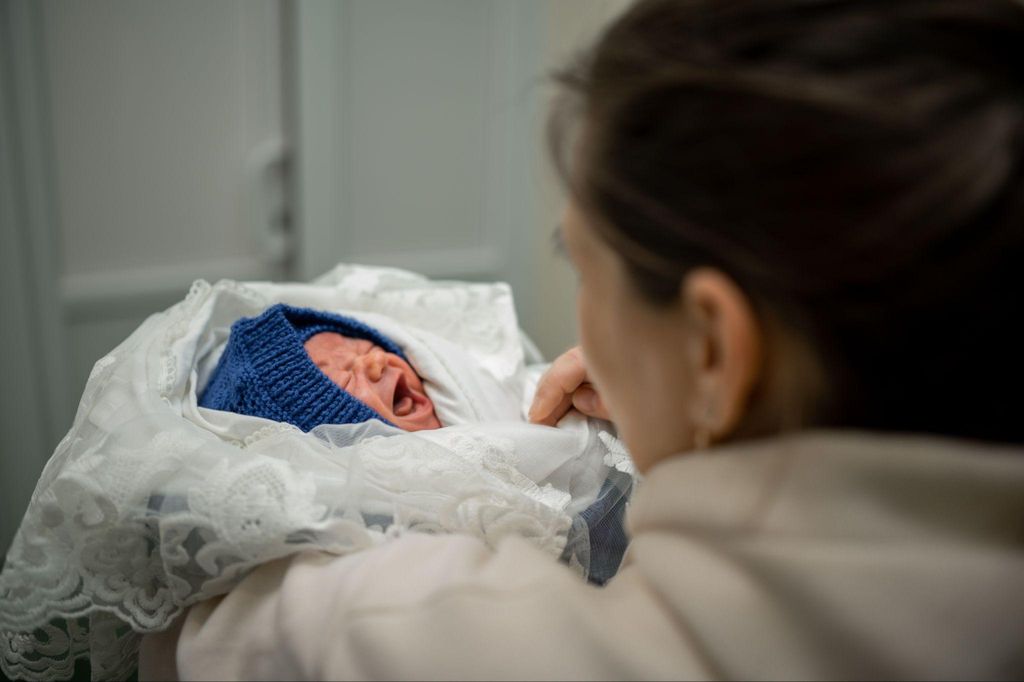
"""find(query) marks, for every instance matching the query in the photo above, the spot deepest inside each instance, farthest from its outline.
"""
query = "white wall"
(570, 24)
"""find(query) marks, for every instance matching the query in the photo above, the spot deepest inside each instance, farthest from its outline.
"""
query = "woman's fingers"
(549, 413)
(557, 389)
(587, 401)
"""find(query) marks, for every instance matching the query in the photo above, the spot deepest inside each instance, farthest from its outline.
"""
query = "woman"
(796, 227)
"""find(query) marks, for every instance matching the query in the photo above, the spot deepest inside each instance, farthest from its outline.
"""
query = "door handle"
(268, 167)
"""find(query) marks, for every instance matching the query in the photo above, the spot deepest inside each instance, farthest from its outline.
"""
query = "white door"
(143, 148)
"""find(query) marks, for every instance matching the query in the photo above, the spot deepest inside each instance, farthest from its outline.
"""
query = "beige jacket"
(824, 555)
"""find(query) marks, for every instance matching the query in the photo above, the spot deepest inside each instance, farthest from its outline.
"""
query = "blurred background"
(144, 144)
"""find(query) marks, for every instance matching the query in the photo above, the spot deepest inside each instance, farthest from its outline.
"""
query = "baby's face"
(382, 380)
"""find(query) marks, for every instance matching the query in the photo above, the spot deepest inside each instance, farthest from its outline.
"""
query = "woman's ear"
(725, 349)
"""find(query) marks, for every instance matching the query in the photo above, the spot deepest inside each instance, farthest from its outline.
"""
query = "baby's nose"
(374, 363)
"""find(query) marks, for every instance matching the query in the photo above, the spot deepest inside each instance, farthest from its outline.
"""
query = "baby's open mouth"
(404, 401)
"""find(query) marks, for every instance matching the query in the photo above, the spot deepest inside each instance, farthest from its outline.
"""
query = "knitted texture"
(266, 372)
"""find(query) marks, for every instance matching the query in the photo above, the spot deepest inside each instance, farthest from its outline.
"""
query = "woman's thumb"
(586, 400)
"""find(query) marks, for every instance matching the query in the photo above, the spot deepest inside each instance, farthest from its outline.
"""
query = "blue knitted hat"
(265, 370)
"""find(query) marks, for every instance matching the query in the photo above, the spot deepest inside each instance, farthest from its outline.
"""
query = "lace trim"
(617, 456)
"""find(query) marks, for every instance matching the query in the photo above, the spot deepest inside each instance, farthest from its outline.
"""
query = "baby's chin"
(420, 423)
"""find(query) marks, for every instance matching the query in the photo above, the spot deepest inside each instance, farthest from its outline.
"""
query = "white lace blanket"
(150, 504)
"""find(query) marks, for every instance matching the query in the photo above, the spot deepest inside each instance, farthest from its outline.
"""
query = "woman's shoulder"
(841, 482)
(839, 553)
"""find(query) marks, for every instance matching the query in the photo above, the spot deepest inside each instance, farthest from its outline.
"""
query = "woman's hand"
(566, 385)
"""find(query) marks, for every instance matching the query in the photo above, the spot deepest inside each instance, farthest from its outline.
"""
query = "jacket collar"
(839, 483)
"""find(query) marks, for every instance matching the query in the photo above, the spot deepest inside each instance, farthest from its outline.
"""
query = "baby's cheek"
(336, 377)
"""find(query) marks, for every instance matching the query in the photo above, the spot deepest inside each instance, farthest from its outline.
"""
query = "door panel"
(160, 115)
(415, 135)
(404, 107)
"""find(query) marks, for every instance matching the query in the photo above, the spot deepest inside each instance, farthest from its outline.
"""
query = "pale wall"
(570, 25)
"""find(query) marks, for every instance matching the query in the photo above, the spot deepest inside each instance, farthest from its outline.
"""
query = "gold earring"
(702, 432)
(701, 438)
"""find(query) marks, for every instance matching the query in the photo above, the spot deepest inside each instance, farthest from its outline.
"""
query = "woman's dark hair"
(856, 166)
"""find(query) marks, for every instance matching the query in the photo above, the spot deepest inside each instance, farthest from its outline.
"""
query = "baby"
(307, 367)
(381, 379)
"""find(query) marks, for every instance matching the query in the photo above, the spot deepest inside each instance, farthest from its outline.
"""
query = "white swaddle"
(150, 503)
